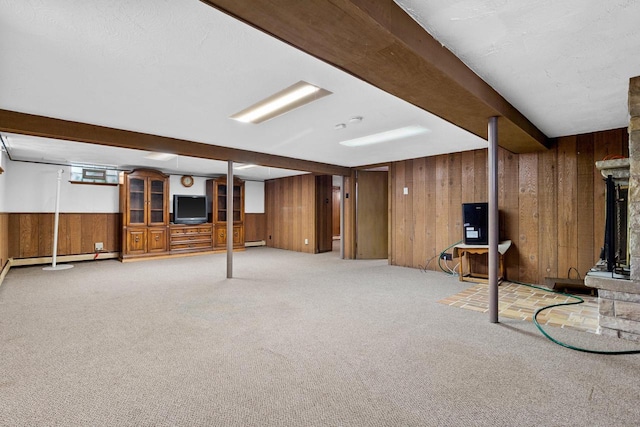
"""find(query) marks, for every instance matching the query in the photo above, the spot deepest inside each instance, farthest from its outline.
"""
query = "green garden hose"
(578, 301)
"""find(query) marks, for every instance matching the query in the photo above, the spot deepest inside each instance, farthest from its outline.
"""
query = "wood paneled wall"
(299, 208)
(31, 234)
(255, 227)
(4, 239)
(335, 211)
(551, 205)
(323, 216)
(290, 209)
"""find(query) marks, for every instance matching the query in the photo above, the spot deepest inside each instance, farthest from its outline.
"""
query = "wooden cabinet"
(144, 206)
(191, 238)
(217, 193)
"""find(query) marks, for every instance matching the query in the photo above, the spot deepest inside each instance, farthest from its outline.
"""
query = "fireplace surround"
(619, 298)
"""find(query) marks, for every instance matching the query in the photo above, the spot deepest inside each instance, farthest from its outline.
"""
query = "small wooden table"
(464, 270)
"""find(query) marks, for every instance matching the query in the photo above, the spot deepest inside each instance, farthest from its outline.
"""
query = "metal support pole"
(493, 219)
(229, 219)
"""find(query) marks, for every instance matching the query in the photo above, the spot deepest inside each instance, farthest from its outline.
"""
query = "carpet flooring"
(292, 340)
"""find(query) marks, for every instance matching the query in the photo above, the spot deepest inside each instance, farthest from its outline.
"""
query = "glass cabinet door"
(136, 201)
(222, 203)
(156, 201)
(237, 214)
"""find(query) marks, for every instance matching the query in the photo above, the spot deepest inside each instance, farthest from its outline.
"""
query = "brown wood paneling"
(4, 239)
(467, 186)
(567, 209)
(46, 233)
(548, 219)
(335, 211)
(74, 233)
(422, 250)
(428, 211)
(14, 235)
(348, 234)
(30, 235)
(372, 215)
(508, 202)
(323, 214)
(584, 205)
(455, 198)
(441, 199)
(398, 230)
(290, 211)
(480, 176)
(551, 204)
(255, 227)
(528, 218)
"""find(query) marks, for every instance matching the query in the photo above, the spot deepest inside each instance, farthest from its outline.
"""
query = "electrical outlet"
(99, 246)
(446, 256)
(306, 241)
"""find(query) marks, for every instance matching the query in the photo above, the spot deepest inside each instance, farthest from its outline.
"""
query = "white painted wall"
(254, 197)
(31, 187)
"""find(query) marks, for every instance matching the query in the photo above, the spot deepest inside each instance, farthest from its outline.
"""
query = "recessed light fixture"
(163, 157)
(389, 135)
(279, 103)
(356, 119)
(340, 126)
(247, 166)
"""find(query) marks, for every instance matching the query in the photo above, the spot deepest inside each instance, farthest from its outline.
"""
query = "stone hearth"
(619, 299)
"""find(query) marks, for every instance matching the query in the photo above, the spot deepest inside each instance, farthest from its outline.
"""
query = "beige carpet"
(294, 340)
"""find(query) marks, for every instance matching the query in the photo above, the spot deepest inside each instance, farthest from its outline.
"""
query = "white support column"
(229, 219)
(493, 219)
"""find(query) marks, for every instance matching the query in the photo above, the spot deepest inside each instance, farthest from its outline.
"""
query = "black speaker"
(475, 220)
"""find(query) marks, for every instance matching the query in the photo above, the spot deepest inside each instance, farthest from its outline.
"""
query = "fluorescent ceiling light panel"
(163, 157)
(390, 135)
(248, 166)
(279, 103)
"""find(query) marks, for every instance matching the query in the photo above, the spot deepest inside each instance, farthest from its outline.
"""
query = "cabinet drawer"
(191, 245)
(189, 237)
(181, 230)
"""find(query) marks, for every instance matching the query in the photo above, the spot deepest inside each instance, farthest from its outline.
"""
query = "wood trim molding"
(379, 43)
(48, 127)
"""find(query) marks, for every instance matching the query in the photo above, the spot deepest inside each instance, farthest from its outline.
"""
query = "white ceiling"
(180, 68)
(564, 64)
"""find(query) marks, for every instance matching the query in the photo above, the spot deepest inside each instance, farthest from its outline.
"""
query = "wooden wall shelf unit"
(144, 207)
(217, 194)
(191, 238)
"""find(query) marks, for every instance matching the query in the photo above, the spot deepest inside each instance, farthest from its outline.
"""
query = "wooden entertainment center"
(146, 228)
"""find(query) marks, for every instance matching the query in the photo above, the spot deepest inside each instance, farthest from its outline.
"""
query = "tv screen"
(189, 209)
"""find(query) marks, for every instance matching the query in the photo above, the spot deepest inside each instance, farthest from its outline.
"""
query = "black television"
(189, 209)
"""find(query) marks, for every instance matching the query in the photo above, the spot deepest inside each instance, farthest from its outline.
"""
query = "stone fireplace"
(619, 298)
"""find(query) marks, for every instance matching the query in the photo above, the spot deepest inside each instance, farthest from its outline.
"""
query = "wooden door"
(372, 213)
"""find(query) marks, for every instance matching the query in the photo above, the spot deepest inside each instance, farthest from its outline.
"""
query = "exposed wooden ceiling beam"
(29, 124)
(376, 41)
